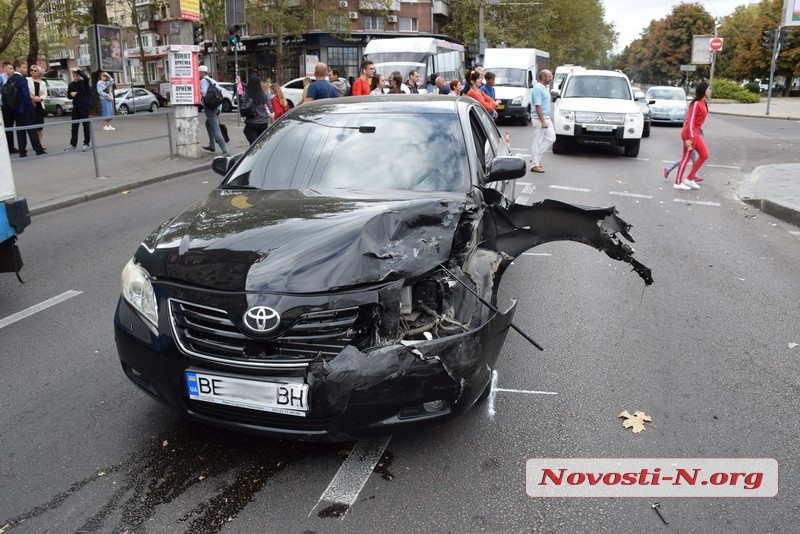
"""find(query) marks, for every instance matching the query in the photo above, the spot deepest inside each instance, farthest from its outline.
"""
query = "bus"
(428, 55)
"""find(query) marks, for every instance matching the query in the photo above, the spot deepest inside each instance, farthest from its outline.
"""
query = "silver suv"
(597, 107)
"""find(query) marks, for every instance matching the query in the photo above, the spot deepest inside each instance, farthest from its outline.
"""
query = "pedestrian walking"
(279, 104)
(258, 122)
(23, 110)
(671, 167)
(104, 90)
(81, 94)
(38, 90)
(692, 136)
(543, 133)
(212, 111)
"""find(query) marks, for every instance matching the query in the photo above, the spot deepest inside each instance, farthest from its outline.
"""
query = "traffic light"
(785, 38)
(234, 34)
(199, 33)
(766, 39)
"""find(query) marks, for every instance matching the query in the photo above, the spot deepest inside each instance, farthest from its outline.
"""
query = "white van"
(515, 71)
(561, 73)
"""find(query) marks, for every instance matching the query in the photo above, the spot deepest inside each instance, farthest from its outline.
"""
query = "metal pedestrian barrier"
(94, 146)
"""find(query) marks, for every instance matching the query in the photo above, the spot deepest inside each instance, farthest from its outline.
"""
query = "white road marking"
(735, 167)
(700, 202)
(353, 474)
(629, 194)
(493, 393)
(565, 188)
(635, 159)
(522, 200)
(11, 319)
(536, 254)
(794, 232)
(528, 189)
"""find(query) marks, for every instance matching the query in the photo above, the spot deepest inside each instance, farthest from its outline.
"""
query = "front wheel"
(59, 111)
(526, 118)
(153, 107)
(227, 107)
(559, 146)
(632, 149)
(123, 109)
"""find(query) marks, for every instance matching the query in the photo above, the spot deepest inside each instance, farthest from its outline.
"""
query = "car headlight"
(517, 101)
(567, 115)
(138, 291)
(631, 118)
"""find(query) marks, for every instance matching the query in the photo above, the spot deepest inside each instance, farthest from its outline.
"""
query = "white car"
(597, 107)
(293, 92)
(228, 90)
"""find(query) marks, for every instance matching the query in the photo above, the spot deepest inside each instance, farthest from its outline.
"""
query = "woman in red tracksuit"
(692, 136)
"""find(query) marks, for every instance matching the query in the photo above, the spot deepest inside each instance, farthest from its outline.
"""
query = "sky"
(631, 17)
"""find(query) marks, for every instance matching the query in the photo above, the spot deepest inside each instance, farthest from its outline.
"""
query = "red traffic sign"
(715, 44)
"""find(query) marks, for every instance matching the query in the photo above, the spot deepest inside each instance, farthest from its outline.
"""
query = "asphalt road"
(706, 352)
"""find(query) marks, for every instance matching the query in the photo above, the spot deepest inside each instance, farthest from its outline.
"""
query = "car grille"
(209, 333)
(309, 423)
(584, 117)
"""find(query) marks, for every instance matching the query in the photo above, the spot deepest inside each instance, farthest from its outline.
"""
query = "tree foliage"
(665, 45)
(572, 32)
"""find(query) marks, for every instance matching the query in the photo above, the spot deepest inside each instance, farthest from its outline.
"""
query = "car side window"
(482, 135)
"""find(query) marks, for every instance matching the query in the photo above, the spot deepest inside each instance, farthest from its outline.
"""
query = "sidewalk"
(62, 179)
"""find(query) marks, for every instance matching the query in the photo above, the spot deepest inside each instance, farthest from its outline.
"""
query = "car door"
(142, 103)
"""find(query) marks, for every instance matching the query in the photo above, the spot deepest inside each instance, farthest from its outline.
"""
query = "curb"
(775, 208)
(750, 193)
(762, 116)
(80, 198)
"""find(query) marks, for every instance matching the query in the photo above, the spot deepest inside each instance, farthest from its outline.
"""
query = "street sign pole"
(774, 53)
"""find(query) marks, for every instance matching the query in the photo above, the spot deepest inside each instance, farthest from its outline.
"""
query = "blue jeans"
(672, 167)
(212, 127)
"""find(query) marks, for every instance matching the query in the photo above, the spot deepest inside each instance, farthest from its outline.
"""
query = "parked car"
(133, 100)
(644, 107)
(596, 107)
(667, 103)
(57, 101)
(303, 301)
(229, 95)
(293, 91)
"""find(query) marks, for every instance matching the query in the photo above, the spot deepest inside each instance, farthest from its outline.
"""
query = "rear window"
(358, 151)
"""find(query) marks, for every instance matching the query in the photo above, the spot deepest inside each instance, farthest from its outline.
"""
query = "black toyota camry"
(342, 279)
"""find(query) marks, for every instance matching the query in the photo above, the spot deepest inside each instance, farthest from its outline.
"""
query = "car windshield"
(666, 94)
(368, 151)
(597, 87)
(510, 77)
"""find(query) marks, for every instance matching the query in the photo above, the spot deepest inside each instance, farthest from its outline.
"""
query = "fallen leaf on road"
(125, 192)
(636, 421)
(618, 182)
(164, 443)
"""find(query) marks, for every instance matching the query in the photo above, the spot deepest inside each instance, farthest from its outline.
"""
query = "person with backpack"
(80, 92)
(212, 106)
(253, 107)
(8, 114)
(17, 96)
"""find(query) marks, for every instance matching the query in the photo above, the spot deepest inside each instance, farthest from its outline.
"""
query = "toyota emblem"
(261, 319)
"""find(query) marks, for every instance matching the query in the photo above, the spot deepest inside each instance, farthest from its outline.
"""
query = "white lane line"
(522, 200)
(352, 475)
(700, 202)
(794, 232)
(11, 319)
(565, 188)
(536, 254)
(635, 159)
(735, 167)
(635, 195)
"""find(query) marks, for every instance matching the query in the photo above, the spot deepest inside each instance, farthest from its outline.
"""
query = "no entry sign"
(715, 44)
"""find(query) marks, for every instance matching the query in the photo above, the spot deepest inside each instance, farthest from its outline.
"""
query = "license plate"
(599, 128)
(290, 398)
(500, 106)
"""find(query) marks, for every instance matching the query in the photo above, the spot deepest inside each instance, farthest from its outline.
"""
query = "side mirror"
(506, 168)
(638, 95)
(555, 93)
(222, 164)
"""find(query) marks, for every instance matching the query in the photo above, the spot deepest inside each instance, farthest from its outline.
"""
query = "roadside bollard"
(508, 140)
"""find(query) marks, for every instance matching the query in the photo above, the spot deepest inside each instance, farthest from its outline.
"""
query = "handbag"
(247, 108)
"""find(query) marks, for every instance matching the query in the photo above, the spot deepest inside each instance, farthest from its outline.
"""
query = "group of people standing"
(27, 108)
(23, 105)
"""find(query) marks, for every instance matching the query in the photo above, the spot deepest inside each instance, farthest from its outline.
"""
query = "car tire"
(559, 146)
(123, 110)
(485, 393)
(59, 111)
(632, 149)
(153, 107)
(227, 107)
(526, 118)
(646, 131)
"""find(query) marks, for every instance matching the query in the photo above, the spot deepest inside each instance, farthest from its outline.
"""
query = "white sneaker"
(111, 128)
(682, 187)
(106, 127)
(692, 184)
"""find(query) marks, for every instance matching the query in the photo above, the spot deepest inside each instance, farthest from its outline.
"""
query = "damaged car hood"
(302, 241)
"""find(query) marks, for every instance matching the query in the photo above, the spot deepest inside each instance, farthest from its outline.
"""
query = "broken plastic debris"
(792, 345)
